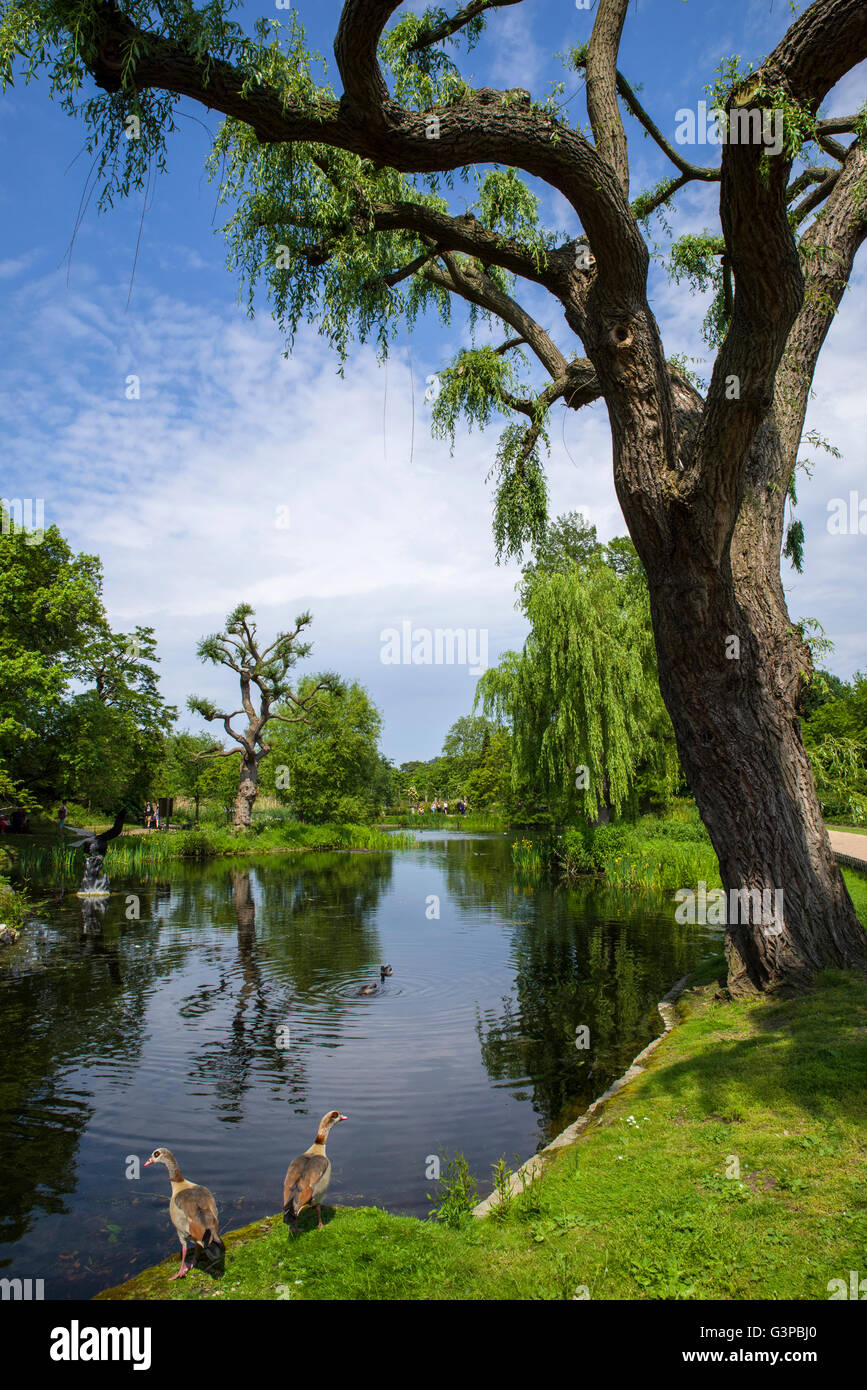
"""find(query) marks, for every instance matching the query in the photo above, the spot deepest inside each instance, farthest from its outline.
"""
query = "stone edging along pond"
(535, 1166)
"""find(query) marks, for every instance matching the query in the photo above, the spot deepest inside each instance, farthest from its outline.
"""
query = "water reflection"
(226, 1019)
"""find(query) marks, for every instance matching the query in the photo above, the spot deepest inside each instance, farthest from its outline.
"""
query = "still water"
(226, 1020)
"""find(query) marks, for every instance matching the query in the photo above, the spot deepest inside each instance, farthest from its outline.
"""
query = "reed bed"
(531, 856)
(131, 856)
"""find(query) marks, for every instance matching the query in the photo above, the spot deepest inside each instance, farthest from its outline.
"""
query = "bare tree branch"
(428, 37)
(479, 289)
(814, 199)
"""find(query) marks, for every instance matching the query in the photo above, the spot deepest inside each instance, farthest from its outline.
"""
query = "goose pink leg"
(184, 1269)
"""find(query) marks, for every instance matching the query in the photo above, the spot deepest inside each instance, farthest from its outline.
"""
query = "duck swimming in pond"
(384, 972)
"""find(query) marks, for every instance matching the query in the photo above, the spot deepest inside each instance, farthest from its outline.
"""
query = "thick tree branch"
(368, 124)
(602, 108)
(832, 147)
(466, 234)
(838, 125)
(822, 45)
(358, 34)
(477, 288)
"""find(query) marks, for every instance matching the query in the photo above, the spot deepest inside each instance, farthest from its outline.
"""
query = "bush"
(352, 810)
(685, 831)
(577, 850)
(608, 841)
(201, 843)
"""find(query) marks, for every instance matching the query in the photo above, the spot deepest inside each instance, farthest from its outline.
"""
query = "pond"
(225, 1020)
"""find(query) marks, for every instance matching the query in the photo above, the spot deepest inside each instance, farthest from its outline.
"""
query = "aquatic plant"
(534, 856)
(458, 1193)
(652, 854)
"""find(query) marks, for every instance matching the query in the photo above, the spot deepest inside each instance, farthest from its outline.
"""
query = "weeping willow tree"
(582, 697)
(406, 191)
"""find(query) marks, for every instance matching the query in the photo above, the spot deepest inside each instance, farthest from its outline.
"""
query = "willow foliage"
(584, 692)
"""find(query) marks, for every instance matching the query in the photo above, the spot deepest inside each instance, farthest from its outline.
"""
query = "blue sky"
(185, 493)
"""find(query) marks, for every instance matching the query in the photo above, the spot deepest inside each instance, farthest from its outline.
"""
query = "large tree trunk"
(739, 741)
(248, 790)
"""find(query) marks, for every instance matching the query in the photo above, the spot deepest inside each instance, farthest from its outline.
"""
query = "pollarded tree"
(340, 203)
(266, 668)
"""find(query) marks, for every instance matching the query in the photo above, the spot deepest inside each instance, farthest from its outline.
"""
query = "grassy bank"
(131, 855)
(473, 821)
(731, 1169)
(652, 854)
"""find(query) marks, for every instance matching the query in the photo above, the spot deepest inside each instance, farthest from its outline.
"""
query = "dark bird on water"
(384, 972)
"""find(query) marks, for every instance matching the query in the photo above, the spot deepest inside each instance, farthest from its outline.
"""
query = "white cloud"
(179, 491)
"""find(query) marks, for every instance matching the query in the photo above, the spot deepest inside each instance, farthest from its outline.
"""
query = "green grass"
(132, 855)
(856, 882)
(641, 1207)
(531, 856)
(652, 854)
(473, 821)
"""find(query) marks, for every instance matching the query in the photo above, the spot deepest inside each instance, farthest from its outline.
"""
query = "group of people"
(151, 816)
(15, 822)
(418, 807)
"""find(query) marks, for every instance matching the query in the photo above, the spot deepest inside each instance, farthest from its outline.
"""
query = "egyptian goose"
(308, 1175)
(194, 1216)
(384, 971)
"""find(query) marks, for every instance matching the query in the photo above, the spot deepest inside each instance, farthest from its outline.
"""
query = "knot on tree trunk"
(620, 336)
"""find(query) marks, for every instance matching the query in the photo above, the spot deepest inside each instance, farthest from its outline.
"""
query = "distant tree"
(99, 744)
(582, 698)
(266, 668)
(110, 737)
(822, 689)
(49, 602)
(183, 773)
(835, 736)
(333, 768)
